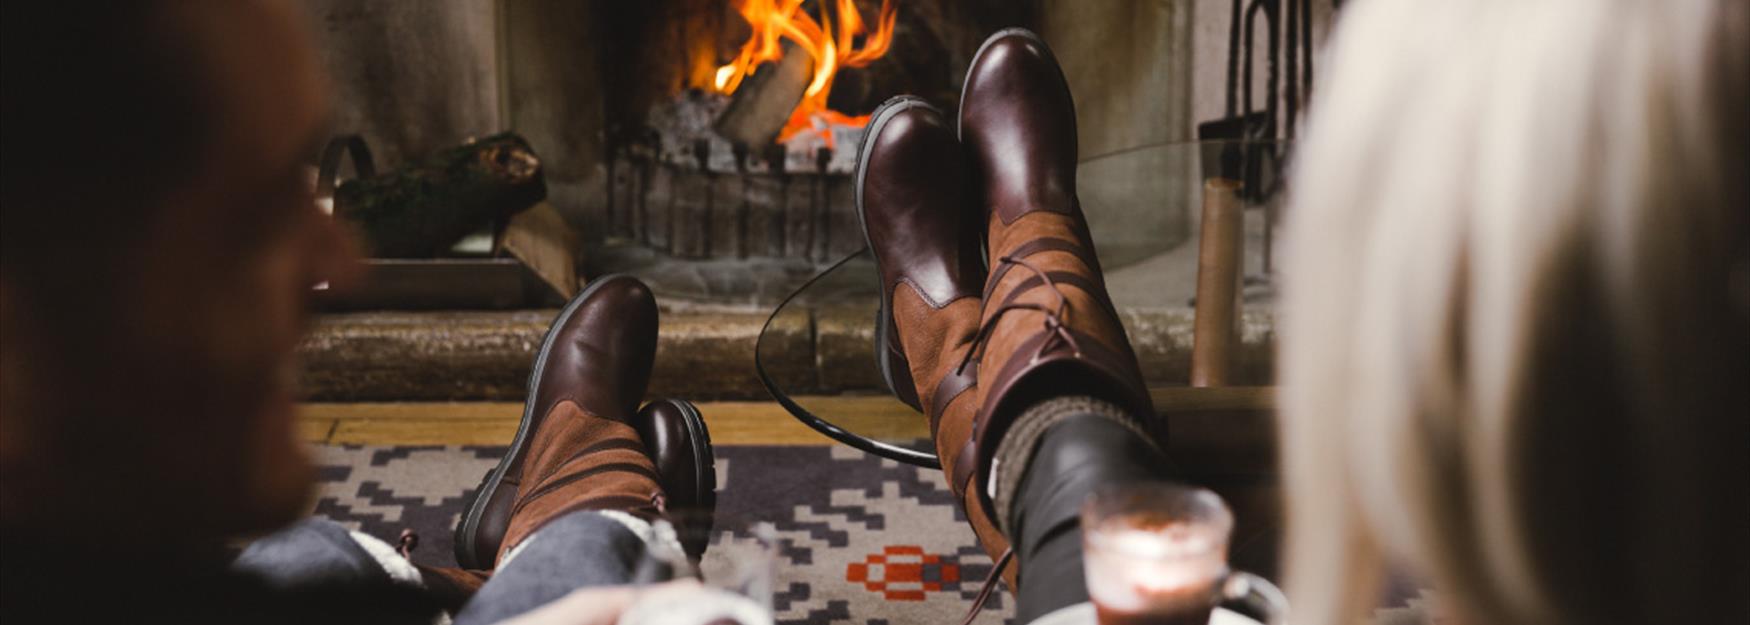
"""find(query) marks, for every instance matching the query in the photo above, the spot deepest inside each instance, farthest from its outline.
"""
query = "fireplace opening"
(729, 158)
(750, 158)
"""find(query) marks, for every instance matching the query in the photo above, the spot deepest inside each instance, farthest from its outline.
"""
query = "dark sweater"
(41, 583)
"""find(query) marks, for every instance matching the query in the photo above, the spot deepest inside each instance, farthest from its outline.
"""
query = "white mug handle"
(1256, 593)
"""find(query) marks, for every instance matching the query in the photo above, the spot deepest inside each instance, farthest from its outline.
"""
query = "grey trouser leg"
(579, 550)
(312, 553)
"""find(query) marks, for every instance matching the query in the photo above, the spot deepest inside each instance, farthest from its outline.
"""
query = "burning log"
(761, 106)
(780, 32)
(422, 208)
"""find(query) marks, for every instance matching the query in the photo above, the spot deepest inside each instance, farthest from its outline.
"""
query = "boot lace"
(1054, 316)
(1058, 334)
(990, 584)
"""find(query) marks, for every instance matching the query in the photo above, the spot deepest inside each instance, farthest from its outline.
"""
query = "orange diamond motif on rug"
(903, 572)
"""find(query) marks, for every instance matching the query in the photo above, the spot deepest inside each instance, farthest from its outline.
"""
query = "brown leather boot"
(577, 447)
(1048, 327)
(924, 229)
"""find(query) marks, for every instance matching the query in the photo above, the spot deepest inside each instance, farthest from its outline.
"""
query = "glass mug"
(1155, 553)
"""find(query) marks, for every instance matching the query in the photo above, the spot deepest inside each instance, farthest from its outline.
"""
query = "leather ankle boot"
(579, 446)
(924, 230)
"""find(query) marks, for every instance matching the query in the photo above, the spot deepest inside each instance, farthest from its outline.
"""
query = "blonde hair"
(1516, 314)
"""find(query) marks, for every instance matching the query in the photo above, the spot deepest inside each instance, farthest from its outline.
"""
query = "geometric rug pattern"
(861, 540)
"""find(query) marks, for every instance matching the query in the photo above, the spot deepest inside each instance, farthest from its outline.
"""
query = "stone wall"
(1128, 64)
(411, 77)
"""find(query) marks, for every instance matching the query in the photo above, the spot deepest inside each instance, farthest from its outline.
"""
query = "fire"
(831, 44)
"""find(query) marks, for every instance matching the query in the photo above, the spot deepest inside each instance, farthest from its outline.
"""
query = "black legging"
(1073, 457)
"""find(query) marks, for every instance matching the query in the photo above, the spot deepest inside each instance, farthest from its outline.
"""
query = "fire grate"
(683, 189)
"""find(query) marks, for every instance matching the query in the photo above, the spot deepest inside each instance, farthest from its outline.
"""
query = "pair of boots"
(584, 444)
(992, 301)
(992, 298)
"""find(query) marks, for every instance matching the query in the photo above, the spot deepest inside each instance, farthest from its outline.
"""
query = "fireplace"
(751, 158)
(705, 145)
(606, 93)
(710, 131)
(641, 113)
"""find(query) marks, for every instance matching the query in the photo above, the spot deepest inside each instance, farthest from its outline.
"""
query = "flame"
(831, 50)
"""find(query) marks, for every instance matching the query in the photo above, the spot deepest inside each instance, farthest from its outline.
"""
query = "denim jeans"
(579, 550)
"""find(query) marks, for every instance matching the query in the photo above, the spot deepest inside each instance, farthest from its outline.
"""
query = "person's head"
(159, 247)
(1516, 322)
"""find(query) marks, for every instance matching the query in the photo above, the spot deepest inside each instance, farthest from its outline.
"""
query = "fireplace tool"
(1244, 144)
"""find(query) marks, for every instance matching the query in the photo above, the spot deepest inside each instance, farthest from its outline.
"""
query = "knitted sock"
(1015, 453)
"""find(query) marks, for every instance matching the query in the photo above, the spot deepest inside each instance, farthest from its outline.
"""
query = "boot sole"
(470, 523)
(705, 475)
(902, 387)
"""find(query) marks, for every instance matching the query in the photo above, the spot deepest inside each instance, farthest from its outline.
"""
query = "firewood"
(422, 208)
(545, 243)
(763, 102)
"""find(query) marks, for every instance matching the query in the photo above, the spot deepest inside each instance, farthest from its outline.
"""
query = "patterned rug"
(864, 540)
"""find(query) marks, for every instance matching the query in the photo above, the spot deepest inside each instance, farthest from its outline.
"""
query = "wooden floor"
(731, 422)
(493, 423)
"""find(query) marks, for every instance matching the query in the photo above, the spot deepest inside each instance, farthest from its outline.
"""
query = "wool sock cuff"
(1015, 452)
